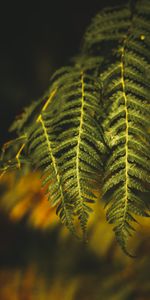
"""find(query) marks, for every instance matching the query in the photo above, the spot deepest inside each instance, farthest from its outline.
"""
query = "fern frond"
(106, 29)
(80, 142)
(41, 150)
(67, 143)
(126, 92)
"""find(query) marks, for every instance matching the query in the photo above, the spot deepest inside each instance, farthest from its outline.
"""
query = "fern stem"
(126, 116)
(18, 155)
(40, 119)
(78, 145)
(50, 98)
(127, 128)
(79, 138)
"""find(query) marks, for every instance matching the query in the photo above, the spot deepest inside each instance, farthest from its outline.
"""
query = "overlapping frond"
(41, 149)
(67, 143)
(126, 91)
(106, 29)
(80, 142)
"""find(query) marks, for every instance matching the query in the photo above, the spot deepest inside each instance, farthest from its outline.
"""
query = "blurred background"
(39, 260)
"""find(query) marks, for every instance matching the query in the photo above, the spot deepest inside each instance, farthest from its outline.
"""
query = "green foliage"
(92, 128)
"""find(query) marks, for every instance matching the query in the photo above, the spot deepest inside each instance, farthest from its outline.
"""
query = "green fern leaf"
(106, 29)
(67, 143)
(41, 150)
(126, 93)
(80, 145)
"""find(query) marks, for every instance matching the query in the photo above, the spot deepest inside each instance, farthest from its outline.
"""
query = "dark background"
(34, 41)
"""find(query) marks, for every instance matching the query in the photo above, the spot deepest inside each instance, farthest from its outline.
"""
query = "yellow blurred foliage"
(27, 284)
(24, 198)
(111, 274)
